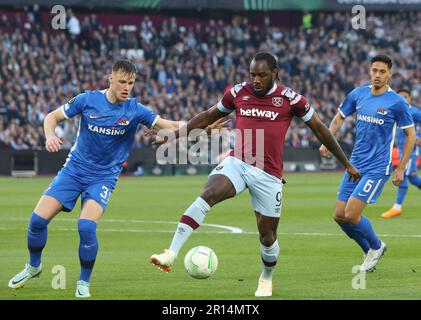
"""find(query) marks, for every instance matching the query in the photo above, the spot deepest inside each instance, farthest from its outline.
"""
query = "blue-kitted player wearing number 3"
(379, 110)
(109, 119)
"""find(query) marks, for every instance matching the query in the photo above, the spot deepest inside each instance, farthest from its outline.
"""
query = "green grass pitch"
(315, 262)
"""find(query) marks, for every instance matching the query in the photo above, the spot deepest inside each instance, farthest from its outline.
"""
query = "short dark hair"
(270, 59)
(382, 58)
(125, 66)
(404, 90)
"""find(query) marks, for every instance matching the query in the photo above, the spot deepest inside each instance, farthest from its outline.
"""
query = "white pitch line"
(218, 226)
(230, 230)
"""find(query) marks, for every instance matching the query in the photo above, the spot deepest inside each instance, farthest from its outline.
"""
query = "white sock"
(269, 254)
(191, 220)
(397, 206)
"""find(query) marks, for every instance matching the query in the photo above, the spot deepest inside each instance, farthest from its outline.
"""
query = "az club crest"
(382, 111)
(277, 101)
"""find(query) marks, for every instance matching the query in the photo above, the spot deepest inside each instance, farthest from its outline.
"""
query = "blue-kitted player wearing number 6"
(109, 119)
(379, 110)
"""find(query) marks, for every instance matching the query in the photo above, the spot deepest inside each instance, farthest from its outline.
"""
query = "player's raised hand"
(53, 144)
(397, 177)
(150, 132)
(324, 152)
(418, 142)
(354, 174)
(161, 140)
(158, 139)
(218, 125)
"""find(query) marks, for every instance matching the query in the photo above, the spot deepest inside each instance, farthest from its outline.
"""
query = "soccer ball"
(201, 262)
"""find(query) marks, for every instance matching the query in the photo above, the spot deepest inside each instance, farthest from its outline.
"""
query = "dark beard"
(263, 93)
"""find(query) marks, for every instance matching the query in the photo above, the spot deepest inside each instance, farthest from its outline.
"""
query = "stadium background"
(187, 58)
(188, 53)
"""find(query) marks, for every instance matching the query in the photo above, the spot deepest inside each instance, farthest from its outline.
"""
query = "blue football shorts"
(411, 167)
(368, 189)
(67, 187)
(265, 189)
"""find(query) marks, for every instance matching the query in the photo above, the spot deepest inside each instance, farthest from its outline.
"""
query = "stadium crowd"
(185, 69)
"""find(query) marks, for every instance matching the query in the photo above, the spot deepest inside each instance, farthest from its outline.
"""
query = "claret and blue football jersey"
(378, 117)
(106, 132)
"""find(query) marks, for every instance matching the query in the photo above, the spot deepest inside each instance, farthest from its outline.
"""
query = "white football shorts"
(265, 189)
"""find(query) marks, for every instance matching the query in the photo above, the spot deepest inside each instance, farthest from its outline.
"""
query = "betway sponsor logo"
(106, 131)
(259, 113)
(370, 119)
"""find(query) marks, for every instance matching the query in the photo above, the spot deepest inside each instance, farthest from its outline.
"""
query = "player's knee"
(210, 196)
(267, 238)
(350, 217)
(86, 228)
(338, 217)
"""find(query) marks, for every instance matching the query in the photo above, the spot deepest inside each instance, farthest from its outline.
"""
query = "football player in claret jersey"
(411, 170)
(108, 123)
(379, 110)
(264, 108)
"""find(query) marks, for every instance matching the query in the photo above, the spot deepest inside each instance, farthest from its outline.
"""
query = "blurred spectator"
(307, 24)
(185, 69)
(73, 25)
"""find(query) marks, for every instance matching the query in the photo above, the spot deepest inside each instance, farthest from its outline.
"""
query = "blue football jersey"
(106, 132)
(400, 136)
(377, 119)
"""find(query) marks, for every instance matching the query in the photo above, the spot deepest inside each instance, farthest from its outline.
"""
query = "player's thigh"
(411, 167)
(91, 210)
(48, 207)
(339, 211)
(65, 189)
(100, 192)
(354, 209)
(224, 182)
(265, 192)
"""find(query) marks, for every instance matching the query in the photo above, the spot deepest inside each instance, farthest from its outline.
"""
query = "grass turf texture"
(315, 261)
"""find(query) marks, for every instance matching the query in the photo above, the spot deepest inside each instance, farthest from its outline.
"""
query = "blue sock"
(88, 248)
(400, 196)
(37, 238)
(415, 180)
(366, 231)
(362, 242)
(402, 190)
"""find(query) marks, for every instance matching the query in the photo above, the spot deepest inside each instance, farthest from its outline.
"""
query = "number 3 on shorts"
(105, 194)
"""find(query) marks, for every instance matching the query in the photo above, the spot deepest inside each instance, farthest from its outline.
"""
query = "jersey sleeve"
(74, 106)
(403, 115)
(227, 104)
(348, 106)
(146, 116)
(299, 105)
(416, 115)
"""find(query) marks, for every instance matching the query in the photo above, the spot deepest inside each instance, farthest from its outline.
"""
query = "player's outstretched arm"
(411, 137)
(52, 142)
(163, 124)
(202, 120)
(326, 137)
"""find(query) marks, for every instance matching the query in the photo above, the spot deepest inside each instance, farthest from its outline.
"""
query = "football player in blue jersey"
(108, 123)
(411, 171)
(379, 110)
